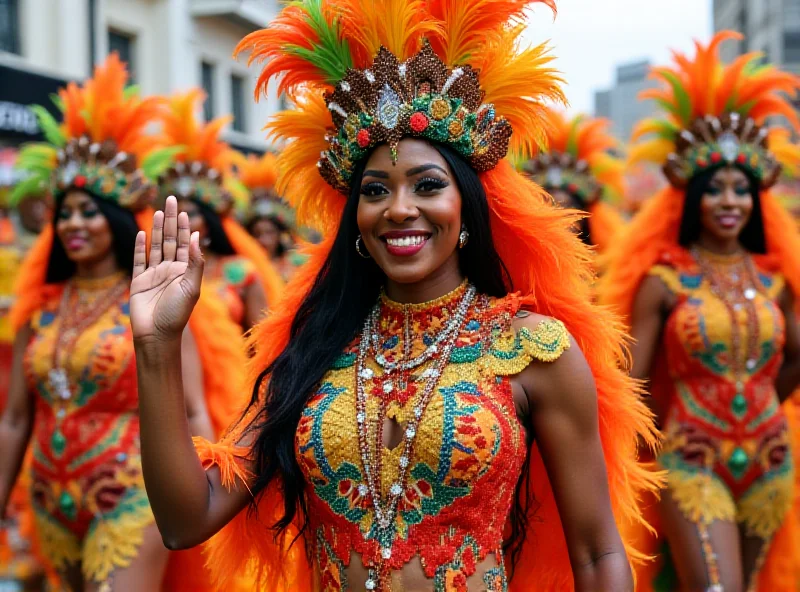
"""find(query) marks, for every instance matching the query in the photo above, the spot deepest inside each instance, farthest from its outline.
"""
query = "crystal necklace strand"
(411, 363)
(385, 514)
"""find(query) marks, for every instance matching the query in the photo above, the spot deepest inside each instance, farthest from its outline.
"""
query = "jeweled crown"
(421, 98)
(718, 141)
(557, 171)
(198, 181)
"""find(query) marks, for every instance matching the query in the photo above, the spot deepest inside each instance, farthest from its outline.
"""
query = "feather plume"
(505, 71)
(464, 26)
(397, 25)
(304, 44)
(258, 172)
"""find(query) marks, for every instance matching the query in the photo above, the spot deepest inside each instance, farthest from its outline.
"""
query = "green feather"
(57, 101)
(130, 91)
(26, 187)
(684, 106)
(666, 130)
(331, 54)
(50, 128)
(572, 141)
(157, 162)
(743, 110)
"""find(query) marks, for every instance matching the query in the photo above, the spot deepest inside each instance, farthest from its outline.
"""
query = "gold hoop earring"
(358, 248)
(463, 238)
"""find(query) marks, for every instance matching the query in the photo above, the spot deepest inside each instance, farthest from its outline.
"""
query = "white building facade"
(621, 103)
(171, 45)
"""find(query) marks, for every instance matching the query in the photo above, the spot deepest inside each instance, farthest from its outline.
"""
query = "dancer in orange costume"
(405, 317)
(579, 171)
(237, 269)
(269, 219)
(707, 278)
(74, 377)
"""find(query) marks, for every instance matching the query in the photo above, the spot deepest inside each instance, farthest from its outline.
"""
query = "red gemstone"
(572, 188)
(702, 163)
(716, 157)
(741, 159)
(80, 181)
(362, 137)
(418, 122)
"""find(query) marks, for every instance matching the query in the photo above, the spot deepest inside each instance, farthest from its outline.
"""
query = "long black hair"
(331, 316)
(123, 228)
(752, 236)
(218, 242)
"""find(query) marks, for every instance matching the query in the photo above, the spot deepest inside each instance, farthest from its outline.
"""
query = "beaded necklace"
(72, 325)
(736, 286)
(385, 511)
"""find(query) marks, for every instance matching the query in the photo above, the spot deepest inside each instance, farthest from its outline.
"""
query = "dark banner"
(18, 90)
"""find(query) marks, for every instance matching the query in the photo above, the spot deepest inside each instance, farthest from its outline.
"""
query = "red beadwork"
(80, 181)
(362, 137)
(741, 159)
(418, 122)
(716, 157)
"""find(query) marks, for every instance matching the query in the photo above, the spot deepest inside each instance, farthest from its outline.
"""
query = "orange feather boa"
(551, 269)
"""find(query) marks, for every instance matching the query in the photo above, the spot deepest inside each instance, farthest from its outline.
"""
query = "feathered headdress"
(201, 167)
(258, 176)
(577, 159)
(715, 114)
(101, 145)
(472, 60)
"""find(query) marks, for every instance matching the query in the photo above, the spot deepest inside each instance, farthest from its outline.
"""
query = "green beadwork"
(67, 505)
(738, 462)
(705, 156)
(739, 405)
(58, 442)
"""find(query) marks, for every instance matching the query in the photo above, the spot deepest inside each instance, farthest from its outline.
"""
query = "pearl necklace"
(386, 512)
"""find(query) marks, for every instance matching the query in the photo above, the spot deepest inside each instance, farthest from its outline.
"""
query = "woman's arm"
(255, 304)
(789, 375)
(647, 321)
(563, 409)
(193, 390)
(16, 422)
(189, 503)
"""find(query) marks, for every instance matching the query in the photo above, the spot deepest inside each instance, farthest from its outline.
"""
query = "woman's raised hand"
(165, 289)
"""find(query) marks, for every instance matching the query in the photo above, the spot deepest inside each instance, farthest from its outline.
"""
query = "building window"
(207, 80)
(9, 26)
(238, 105)
(791, 47)
(124, 44)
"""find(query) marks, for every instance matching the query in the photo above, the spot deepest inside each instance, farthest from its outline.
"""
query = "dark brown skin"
(268, 235)
(725, 210)
(255, 301)
(87, 239)
(558, 399)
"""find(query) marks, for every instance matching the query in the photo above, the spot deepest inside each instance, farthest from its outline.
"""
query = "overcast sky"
(591, 37)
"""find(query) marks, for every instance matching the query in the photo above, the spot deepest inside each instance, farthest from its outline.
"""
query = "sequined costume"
(449, 73)
(86, 477)
(468, 456)
(727, 447)
(726, 440)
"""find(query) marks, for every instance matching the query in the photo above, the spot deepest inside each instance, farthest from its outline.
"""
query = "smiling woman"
(437, 385)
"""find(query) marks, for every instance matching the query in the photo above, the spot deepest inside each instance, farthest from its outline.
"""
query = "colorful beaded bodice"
(722, 356)
(469, 446)
(86, 459)
(229, 277)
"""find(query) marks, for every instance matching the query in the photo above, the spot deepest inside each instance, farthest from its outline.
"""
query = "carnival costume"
(387, 71)
(202, 173)
(726, 438)
(87, 487)
(258, 175)
(577, 160)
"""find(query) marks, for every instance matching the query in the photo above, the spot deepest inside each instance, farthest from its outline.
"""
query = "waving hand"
(165, 289)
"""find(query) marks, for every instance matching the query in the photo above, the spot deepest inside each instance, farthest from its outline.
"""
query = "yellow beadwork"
(515, 350)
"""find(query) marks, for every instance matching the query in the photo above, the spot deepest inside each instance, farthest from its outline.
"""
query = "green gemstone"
(58, 442)
(738, 461)
(67, 505)
(739, 405)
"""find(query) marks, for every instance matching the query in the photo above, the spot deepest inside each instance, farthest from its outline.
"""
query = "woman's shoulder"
(528, 336)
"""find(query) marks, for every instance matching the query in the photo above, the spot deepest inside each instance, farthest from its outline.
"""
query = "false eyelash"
(365, 189)
(437, 183)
